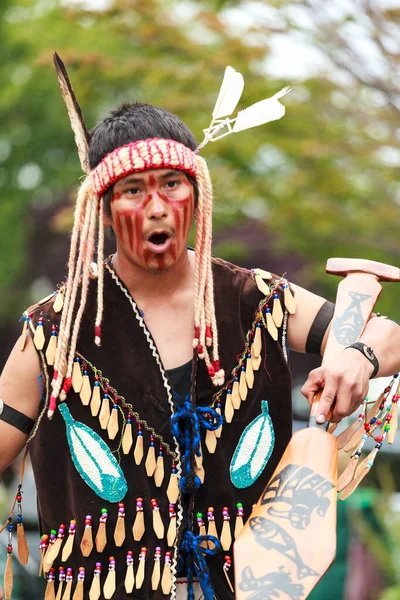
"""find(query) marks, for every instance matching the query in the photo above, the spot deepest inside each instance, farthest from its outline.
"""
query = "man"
(107, 474)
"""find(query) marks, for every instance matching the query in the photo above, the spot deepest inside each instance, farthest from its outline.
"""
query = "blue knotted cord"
(185, 426)
(196, 563)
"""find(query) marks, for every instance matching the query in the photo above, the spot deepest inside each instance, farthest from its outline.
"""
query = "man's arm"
(346, 378)
(19, 389)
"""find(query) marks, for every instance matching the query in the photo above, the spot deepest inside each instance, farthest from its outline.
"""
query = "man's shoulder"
(221, 266)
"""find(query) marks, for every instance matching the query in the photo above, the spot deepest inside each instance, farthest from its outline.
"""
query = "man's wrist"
(369, 355)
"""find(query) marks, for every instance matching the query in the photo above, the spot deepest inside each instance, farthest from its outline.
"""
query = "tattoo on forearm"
(272, 536)
(348, 326)
(294, 493)
(270, 586)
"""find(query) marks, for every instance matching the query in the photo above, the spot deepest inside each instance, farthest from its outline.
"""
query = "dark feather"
(82, 135)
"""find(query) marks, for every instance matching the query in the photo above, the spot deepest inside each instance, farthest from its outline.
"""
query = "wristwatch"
(369, 355)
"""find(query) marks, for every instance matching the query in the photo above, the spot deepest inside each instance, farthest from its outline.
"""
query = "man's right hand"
(1, 593)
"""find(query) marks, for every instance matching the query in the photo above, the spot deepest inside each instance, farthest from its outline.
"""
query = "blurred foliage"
(323, 179)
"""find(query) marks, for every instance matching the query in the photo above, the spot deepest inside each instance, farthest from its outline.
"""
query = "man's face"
(151, 214)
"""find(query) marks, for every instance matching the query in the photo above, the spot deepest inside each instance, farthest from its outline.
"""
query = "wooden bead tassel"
(271, 327)
(22, 544)
(101, 535)
(138, 452)
(166, 581)
(87, 538)
(158, 525)
(141, 568)
(242, 384)
(239, 520)
(212, 530)
(129, 581)
(104, 414)
(288, 299)
(61, 580)
(226, 536)
(68, 585)
(110, 583)
(171, 533)
(229, 410)
(77, 378)
(51, 347)
(226, 567)
(249, 372)
(52, 541)
(95, 402)
(112, 425)
(236, 399)
(70, 541)
(54, 550)
(119, 533)
(49, 593)
(78, 594)
(39, 339)
(159, 471)
(86, 390)
(127, 438)
(277, 312)
(95, 590)
(173, 486)
(156, 575)
(138, 526)
(150, 464)
(44, 544)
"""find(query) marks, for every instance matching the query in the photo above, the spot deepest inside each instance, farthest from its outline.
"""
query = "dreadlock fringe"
(206, 332)
(100, 276)
(82, 244)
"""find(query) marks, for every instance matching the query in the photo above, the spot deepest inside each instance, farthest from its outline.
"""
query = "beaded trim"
(122, 402)
(258, 317)
(140, 156)
(171, 403)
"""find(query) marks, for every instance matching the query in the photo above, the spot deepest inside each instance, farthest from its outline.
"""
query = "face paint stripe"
(129, 228)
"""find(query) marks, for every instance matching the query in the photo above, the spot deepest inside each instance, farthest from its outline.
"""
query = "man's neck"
(145, 284)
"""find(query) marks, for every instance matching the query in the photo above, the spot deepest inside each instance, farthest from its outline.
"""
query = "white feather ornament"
(229, 93)
(253, 450)
(261, 112)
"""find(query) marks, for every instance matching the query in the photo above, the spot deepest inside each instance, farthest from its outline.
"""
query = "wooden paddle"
(289, 541)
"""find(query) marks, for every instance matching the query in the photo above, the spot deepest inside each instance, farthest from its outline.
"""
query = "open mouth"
(158, 239)
(159, 242)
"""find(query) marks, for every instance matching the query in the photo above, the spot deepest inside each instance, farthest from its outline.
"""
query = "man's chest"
(172, 330)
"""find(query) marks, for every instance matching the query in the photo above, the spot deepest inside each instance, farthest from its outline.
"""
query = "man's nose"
(157, 207)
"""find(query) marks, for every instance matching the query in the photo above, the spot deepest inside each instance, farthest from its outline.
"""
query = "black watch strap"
(16, 418)
(369, 355)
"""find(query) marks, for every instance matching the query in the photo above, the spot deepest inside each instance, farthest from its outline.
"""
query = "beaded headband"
(140, 156)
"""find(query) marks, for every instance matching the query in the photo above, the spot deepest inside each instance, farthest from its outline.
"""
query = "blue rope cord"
(196, 563)
(185, 426)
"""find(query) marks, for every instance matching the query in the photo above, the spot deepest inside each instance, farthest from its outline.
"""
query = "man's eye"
(172, 184)
(133, 191)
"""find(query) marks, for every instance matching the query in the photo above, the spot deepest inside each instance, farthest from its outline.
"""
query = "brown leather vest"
(128, 359)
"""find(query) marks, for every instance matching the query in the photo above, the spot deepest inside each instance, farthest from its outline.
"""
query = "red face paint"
(152, 208)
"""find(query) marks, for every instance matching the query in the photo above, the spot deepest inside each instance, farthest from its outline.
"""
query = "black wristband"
(16, 418)
(369, 355)
(318, 328)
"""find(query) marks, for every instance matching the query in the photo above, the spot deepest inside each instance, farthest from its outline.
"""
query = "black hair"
(131, 123)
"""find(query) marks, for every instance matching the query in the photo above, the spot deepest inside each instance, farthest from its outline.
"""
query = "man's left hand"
(343, 380)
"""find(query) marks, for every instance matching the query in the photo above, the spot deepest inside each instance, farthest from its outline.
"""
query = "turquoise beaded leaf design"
(93, 459)
(253, 450)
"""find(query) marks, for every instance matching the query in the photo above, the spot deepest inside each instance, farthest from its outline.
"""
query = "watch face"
(369, 353)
